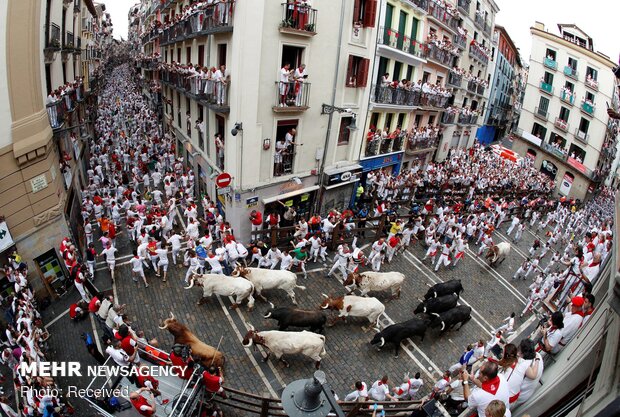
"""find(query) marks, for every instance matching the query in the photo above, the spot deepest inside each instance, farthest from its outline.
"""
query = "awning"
(289, 195)
(329, 187)
(334, 171)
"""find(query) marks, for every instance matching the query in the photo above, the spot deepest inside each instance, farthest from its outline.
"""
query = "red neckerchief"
(491, 386)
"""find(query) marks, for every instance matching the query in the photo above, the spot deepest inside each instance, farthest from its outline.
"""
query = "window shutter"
(356, 10)
(349, 81)
(362, 76)
(370, 13)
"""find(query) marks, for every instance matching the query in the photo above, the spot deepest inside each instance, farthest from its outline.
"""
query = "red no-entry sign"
(223, 180)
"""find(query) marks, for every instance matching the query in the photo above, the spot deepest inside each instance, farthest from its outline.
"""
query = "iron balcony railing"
(588, 108)
(298, 18)
(464, 6)
(213, 18)
(480, 89)
(292, 95)
(378, 146)
(541, 113)
(69, 41)
(420, 143)
(439, 13)
(54, 39)
(571, 72)
(592, 83)
(460, 40)
(470, 119)
(559, 153)
(404, 97)
(455, 80)
(567, 98)
(211, 93)
(402, 42)
(477, 53)
(582, 136)
(561, 124)
(479, 21)
(440, 56)
(56, 113)
(550, 63)
(448, 118)
(547, 88)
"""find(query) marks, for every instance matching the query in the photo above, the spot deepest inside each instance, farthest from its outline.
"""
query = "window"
(188, 54)
(418, 120)
(592, 73)
(409, 72)
(569, 86)
(201, 55)
(401, 120)
(564, 113)
(188, 116)
(397, 69)
(543, 106)
(221, 54)
(548, 78)
(344, 132)
(589, 96)
(557, 140)
(178, 54)
(179, 108)
(365, 12)
(431, 120)
(292, 55)
(284, 164)
(439, 80)
(374, 120)
(539, 131)
(551, 54)
(388, 121)
(584, 125)
(357, 71)
(572, 63)
(200, 127)
(577, 153)
(425, 77)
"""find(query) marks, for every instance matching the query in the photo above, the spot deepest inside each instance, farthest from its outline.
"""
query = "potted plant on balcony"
(309, 27)
(55, 43)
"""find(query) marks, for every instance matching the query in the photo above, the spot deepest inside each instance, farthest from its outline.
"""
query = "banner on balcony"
(567, 183)
(576, 164)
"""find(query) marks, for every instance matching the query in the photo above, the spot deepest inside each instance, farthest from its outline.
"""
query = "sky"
(598, 18)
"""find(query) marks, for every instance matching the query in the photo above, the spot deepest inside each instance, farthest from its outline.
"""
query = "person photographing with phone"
(487, 387)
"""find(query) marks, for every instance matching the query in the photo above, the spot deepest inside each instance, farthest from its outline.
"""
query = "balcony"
(455, 80)
(480, 89)
(53, 43)
(213, 18)
(591, 83)
(441, 15)
(571, 72)
(567, 97)
(284, 160)
(556, 151)
(470, 119)
(550, 63)
(390, 96)
(541, 113)
(581, 136)
(377, 146)
(298, 19)
(477, 53)
(419, 143)
(546, 88)
(291, 97)
(420, 4)
(416, 51)
(460, 41)
(440, 56)
(464, 6)
(471, 86)
(448, 118)
(588, 108)
(561, 124)
(56, 114)
(69, 42)
(210, 93)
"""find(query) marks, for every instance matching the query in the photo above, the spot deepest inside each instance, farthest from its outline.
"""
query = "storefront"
(7, 246)
(390, 164)
(339, 187)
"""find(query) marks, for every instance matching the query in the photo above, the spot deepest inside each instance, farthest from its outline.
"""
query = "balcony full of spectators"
(408, 93)
(442, 51)
(199, 19)
(380, 142)
(591, 82)
(567, 96)
(444, 13)
(207, 85)
(298, 18)
(61, 103)
(479, 52)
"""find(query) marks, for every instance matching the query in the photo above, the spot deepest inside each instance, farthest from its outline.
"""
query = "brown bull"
(201, 352)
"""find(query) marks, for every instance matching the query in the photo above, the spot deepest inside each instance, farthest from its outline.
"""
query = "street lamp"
(310, 398)
(328, 109)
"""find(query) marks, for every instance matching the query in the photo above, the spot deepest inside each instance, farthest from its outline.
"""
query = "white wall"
(5, 105)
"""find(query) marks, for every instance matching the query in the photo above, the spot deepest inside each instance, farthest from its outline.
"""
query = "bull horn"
(428, 285)
(250, 325)
(435, 314)
(424, 309)
(191, 283)
(382, 342)
(171, 316)
(249, 342)
(325, 295)
(164, 327)
(266, 316)
(271, 304)
(443, 326)
(420, 300)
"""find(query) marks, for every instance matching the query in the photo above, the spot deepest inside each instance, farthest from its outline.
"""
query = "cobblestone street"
(491, 293)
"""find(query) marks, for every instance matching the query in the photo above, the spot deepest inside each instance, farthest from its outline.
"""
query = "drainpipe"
(331, 115)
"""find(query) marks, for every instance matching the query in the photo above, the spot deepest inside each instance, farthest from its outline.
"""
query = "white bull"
(376, 281)
(355, 306)
(268, 279)
(280, 343)
(223, 285)
(498, 253)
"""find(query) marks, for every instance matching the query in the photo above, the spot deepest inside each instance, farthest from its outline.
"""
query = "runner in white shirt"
(380, 391)
(162, 260)
(214, 263)
(110, 258)
(286, 261)
(315, 247)
(136, 268)
(490, 386)
(360, 393)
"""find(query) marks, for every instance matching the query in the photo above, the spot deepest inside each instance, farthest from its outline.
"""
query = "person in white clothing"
(380, 391)
(286, 261)
(110, 259)
(515, 222)
(377, 247)
(409, 388)
(432, 250)
(444, 258)
(175, 242)
(572, 320)
(214, 263)
(489, 386)
(530, 383)
(194, 264)
(162, 259)
(341, 261)
(508, 326)
(136, 268)
(359, 394)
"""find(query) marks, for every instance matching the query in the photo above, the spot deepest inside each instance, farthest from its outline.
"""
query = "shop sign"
(566, 184)
(342, 177)
(381, 161)
(305, 197)
(6, 240)
(223, 190)
(38, 183)
(251, 202)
